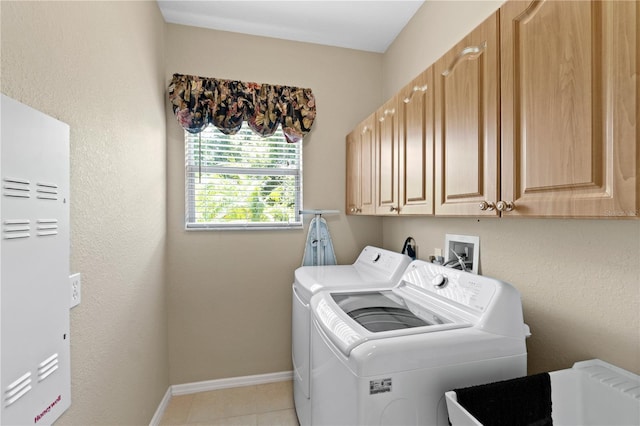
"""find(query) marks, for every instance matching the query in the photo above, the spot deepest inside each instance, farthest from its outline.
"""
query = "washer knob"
(439, 281)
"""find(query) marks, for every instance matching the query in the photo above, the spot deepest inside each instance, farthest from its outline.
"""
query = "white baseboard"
(155, 421)
(209, 385)
(231, 382)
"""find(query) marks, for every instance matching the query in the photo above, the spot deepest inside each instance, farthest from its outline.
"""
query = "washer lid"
(349, 319)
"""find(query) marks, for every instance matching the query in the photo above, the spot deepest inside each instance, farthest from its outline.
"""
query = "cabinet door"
(415, 143)
(387, 158)
(360, 168)
(367, 165)
(353, 173)
(570, 108)
(466, 124)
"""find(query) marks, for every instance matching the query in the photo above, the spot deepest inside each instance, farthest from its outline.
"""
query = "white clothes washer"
(374, 268)
(387, 356)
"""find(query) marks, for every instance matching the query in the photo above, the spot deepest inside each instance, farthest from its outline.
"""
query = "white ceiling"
(363, 25)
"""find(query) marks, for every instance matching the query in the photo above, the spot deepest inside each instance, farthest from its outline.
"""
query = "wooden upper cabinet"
(360, 168)
(415, 143)
(534, 113)
(569, 105)
(387, 158)
(466, 123)
(404, 150)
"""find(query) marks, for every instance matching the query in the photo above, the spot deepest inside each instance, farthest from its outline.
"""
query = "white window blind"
(242, 181)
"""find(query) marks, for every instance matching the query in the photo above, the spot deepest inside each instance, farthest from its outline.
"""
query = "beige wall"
(98, 66)
(579, 279)
(435, 27)
(230, 291)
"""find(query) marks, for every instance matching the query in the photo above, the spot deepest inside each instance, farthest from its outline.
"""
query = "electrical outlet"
(76, 287)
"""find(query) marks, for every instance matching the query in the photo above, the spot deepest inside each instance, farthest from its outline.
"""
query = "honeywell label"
(379, 386)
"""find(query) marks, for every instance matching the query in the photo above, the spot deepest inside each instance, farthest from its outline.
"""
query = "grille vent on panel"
(17, 389)
(20, 228)
(47, 191)
(13, 187)
(48, 366)
(47, 227)
(16, 228)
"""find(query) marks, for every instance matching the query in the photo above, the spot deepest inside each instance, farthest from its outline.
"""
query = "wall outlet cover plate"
(76, 290)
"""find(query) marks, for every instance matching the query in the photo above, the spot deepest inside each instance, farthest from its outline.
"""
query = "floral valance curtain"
(199, 101)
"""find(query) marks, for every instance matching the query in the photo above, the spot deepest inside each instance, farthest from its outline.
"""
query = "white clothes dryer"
(387, 356)
(374, 268)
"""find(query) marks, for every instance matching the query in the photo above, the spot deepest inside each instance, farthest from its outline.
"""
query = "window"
(242, 181)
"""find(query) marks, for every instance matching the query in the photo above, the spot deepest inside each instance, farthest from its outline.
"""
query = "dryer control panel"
(387, 265)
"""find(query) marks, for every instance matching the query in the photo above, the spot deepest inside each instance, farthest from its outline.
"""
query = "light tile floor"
(259, 405)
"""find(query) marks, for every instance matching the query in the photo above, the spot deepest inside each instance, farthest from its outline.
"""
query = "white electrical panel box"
(34, 266)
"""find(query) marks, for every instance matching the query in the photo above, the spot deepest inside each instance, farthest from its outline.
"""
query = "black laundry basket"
(524, 401)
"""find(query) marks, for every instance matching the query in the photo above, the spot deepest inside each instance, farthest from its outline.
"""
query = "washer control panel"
(473, 291)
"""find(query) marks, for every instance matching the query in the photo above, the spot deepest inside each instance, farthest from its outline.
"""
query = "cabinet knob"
(487, 205)
(394, 209)
(505, 206)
